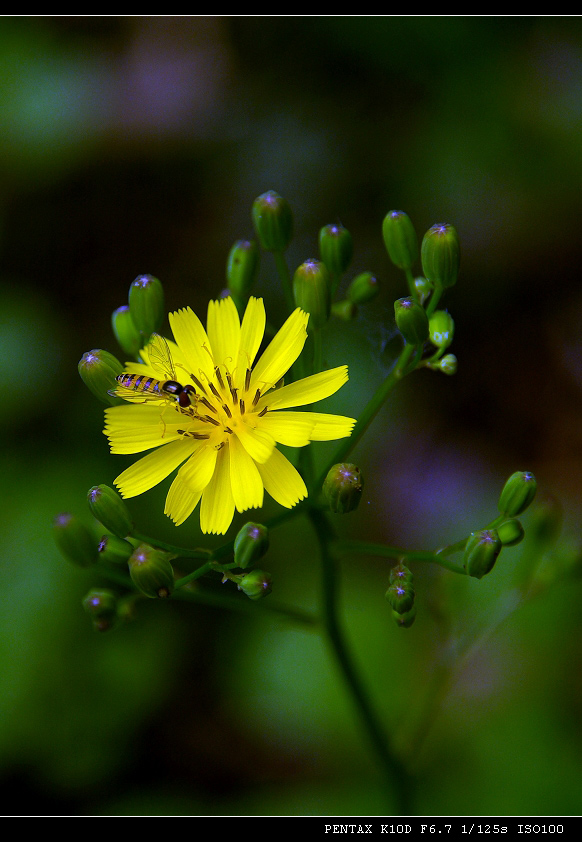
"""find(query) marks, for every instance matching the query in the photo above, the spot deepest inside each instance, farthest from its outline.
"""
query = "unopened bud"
(311, 289)
(125, 331)
(448, 364)
(98, 370)
(518, 492)
(481, 551)
(273, 221)
(441, 328)
(115, 550)
(423, 288)
(345, 309)
(146, 305)
(405, 620)
(411, 320)
(400, 596)
(363, 288)
(251, 544)
(256, 584)
(440, 255)
(101, 605)
(400, 239)
(510, 532)
(400, 574)
(343, 487)
(241, 268)
(151, 572)
(110, 510)
(74, 540)
(335, 248)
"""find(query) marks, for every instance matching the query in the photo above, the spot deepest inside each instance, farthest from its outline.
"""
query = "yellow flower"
(222, 425)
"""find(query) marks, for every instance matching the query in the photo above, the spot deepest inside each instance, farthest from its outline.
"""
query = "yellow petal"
(291, 428)
(181, 501)
(245, 480)
(153, 468)
(306, 391)
(223, 326)
(282, 481)
(198, 470)
(281, 352)
(328, 427)
(252, 332)
(217, 506)
(192, 341)
(258, 443)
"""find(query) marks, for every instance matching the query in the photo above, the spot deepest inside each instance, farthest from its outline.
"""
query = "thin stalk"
(383, 551)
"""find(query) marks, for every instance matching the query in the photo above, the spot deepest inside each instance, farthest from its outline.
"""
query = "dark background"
(131, 145)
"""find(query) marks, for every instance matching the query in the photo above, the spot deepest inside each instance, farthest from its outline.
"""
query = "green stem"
(183, 552)
(393, 768)
(370, 411)
(383, 551)
(246, 606)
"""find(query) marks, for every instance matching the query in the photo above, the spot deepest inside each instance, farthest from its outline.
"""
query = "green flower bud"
(110, 510)
(440, 255)
(518, 492)
(74, 540)
(400, 574)
(98, 370)
(363, 288)
(411, 320)
(448, 364)
(545, 522)
(400, 595)
(256, 584)
(423, 288)
(335, 248)
(510, 532)
(400, 239)
(273, 221)
(344, 310)
(343, 488)
(146, 305)
(101, 605)
(441, 328)
(241, 268)
(405, 620)
(481, 551)
(114, 549)
(125, 331)
(311, 289)
(251, 544)
(151, 572)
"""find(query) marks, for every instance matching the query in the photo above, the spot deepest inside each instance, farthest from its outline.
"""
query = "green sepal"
(400, 596)
(146, 305)
(256, 584)
(241, 269)
(517, 494)
(251, 544)
(363, 288)
(76, 542)
(124, 330)
(98, 370)
(343, 487)
(335, 248)
(441, 328)
(273, 221)
(481, 551)
(400, 239)
(115, 550)
(311, 290)
(440, 255)
(151, 572)
(411, 320)
(510, 532)
(405, 620)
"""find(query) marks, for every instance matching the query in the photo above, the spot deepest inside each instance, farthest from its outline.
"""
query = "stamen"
(218, 376)
(256, 397)
(227, 410)
(227, 430)
(262, 412)
(234, 393)
(194, 435)
(211, 420)
(242, 407)
(247, 380)
(214, 390)
(198, 383)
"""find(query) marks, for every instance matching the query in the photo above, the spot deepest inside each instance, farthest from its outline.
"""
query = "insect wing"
(160, 357)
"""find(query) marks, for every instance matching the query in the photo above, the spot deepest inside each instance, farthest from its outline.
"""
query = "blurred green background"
(131, 145)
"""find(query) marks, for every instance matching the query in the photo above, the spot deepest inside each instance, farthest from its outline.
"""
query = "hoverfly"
(140, 388)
